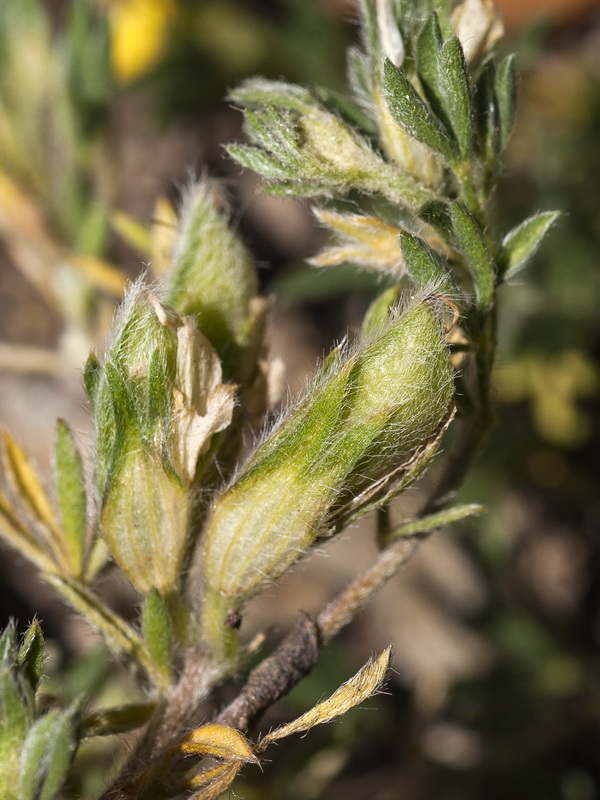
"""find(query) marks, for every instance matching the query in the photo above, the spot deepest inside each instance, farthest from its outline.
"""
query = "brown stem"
(342, 610)
(274, 677)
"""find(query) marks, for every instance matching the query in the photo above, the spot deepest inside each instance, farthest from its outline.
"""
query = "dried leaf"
(365, 683)
(213, 782)
(15, 533)
(27, 486)
(217, 741)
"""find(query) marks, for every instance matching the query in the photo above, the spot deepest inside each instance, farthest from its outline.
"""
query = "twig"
(274, 677)
(342, 610)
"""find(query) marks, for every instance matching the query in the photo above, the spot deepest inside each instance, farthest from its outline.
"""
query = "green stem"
(119, 635)
(462, 170)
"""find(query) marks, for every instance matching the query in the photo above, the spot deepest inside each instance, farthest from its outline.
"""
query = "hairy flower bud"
(157, 400)
(366, 415)
(213, 276)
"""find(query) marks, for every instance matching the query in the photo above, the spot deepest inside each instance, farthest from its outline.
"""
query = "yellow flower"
(138, 35)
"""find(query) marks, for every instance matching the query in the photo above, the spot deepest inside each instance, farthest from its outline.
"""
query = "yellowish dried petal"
(27, 486)
(217, 741)
(213, 782)
(364, 240)
(365, 683)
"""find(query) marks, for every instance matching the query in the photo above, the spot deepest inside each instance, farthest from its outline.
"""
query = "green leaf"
(477, 256)
(485, 112)
(156, 630)
(8, 645)
(455, 91)
(257, 92)
(31, 654)
(424, 265)
(15, 710)
(378, 313)
(522, 242)
(15, 718)
(506, 93)
(433, 521)
(428, 45)
(47, 754)
(70, 493)
(253, 158)
(91, 377)
(409, 111)
(437, 214)
(159, 401)
(119, 719)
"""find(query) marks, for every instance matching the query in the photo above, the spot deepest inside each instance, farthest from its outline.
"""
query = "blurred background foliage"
(105, 108)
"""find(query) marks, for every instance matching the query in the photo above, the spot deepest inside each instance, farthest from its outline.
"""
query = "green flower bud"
(213, 276)
(157, 400)
(366, 416)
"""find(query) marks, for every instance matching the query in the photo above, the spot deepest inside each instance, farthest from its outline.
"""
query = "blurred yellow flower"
(138, 35)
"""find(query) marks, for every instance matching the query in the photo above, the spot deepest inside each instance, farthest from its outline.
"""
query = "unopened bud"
(157, 400)
(366, 414)
(213, 276)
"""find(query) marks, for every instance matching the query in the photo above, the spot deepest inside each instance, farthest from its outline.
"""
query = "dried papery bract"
(365, 416)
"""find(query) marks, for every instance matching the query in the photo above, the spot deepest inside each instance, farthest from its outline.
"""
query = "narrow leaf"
(15, 711)
(365, 683)
(433, 521)
(47, 754)
(378, 313)
(119, 636)
(27, 486)
(31, 654)
(120, 719)
(70, 493)
(485, 112)
(8, 645)
(456, 92)
(91, 377)
(258, 160)
(506, 93)
(409, 111)
(156, 630)
(522, 243)
(213, 782)
(437, 214)
(13, 532)
(479, 260)
(428, 45)
(424, 265)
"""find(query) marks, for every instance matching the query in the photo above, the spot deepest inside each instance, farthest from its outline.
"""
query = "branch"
(274, 677)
